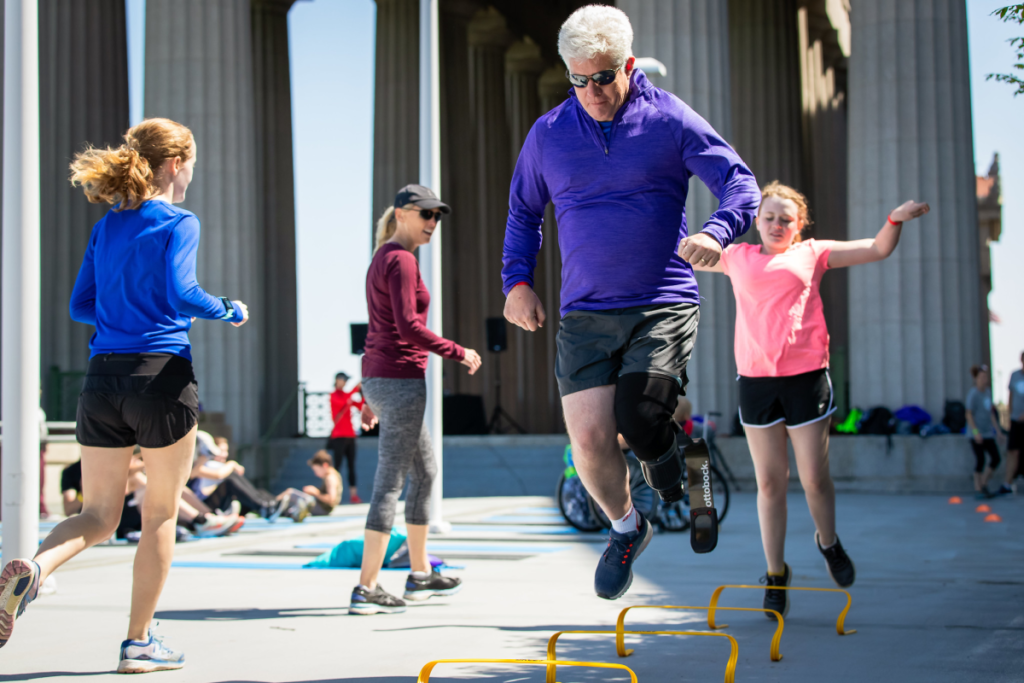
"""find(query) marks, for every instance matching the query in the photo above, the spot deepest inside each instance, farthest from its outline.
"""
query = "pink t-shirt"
(780, 324)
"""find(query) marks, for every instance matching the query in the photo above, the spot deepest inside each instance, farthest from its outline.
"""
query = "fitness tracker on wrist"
(229, 307)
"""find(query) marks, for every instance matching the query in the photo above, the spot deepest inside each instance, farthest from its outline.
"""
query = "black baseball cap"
(422, 197)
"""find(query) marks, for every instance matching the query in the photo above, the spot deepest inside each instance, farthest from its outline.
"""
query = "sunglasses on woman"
(427, 214)
(600, 78)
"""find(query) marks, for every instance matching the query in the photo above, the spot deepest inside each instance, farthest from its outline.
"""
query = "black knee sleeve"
(643, 412)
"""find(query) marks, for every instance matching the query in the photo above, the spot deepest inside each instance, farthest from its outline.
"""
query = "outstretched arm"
(856, 252)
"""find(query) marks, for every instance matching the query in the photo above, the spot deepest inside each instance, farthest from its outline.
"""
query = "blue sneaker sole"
(643, 545)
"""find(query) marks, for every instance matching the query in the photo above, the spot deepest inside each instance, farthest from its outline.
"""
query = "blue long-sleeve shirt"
(620, 202)
(137, 283)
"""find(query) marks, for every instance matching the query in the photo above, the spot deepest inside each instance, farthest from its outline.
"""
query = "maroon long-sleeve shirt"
(398, 341)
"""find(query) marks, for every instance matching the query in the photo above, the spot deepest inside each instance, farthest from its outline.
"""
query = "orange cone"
(983, 508)
(993, 518)
(955, 500)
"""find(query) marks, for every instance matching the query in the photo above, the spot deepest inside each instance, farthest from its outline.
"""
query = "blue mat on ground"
(511, 529)
(540, 520)
(465, 546)
(280, 565)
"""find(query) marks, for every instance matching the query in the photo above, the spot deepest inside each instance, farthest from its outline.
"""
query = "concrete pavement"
(939, 597)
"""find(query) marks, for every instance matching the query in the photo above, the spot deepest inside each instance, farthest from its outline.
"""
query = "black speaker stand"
(494, 424)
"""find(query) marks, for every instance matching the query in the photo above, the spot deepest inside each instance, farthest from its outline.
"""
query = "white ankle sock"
(628, 524)
(830, 545)
(420, 575)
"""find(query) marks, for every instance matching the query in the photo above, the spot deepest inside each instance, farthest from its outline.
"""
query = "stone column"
(83, 73)
(462, 321)
(915, 323)
(765, 87)
(396, 151)
(488, 39)
(276, 183)
(523, 66)
(823, 34)
(199, 71)
(552, 88)
(691, 37)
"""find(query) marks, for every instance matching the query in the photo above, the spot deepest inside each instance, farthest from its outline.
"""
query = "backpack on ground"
(849, 425)
(877, 420)
(954, 416)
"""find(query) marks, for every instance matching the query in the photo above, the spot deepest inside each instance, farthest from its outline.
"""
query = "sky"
(332, 58)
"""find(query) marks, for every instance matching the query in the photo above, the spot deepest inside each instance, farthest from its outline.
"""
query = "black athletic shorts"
(797, 400)
(1016, 441)
(149, 399)
(596, 347)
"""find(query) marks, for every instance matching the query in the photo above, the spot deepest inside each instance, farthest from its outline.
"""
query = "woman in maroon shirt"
(394, 365)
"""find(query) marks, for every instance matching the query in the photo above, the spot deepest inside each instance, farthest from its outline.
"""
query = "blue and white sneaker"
(19, 585)
(433, 585)
(139, 657)
(377, 601)
(615, 570)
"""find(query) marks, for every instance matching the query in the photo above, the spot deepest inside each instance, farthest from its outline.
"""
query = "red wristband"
(519, 283)
(892, 222)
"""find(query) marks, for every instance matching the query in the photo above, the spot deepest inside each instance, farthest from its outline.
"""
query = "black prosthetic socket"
(644, 404)
(703, 516)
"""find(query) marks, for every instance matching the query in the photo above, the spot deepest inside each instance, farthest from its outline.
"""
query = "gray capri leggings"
(404, 450)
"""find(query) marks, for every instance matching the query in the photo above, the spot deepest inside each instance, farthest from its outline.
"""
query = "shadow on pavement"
(50, 674)
(257, 613)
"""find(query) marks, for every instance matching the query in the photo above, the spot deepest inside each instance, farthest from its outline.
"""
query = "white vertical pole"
(19, 365)
(430, 256)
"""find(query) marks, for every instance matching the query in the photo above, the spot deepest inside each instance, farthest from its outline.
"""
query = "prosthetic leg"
(644, 404)
(703, 516)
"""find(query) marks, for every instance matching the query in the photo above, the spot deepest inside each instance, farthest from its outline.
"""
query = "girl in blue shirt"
(137, 285)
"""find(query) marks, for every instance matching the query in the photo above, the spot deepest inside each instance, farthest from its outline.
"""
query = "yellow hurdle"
(730, 667)
(839, 622)
(424, 676)
(773, 653)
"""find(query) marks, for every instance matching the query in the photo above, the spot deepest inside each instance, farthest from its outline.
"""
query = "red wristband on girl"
(891, 221)
(519, 283)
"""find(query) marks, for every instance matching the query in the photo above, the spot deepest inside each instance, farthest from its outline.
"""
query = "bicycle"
(582, 512)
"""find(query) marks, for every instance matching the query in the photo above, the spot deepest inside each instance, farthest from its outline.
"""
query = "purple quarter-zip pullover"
(620, 203)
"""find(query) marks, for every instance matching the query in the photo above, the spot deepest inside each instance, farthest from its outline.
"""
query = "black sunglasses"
(427, 214)
(600, 78)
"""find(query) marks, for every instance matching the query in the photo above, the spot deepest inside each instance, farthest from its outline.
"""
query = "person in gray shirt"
(981, 429)
(1016, 440)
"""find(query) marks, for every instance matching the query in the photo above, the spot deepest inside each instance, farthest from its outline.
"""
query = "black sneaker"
(840, 566)
(433, 585)
(775, 599)
(615, 570)
(983, 494)
(377, 601)
(1004, 490)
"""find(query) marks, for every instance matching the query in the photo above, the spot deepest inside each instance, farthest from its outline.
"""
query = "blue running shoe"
(139, 657)
(19, 585)
(615, 570)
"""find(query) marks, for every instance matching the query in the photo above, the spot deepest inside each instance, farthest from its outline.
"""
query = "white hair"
(596, 30)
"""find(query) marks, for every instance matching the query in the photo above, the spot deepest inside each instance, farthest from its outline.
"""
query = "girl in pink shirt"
(782, 358)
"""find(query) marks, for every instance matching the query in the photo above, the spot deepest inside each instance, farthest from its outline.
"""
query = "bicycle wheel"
(645, 499)
(574, 503)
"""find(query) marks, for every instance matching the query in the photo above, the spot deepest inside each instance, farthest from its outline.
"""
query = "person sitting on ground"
(219, 482)
(982, 426)
(312, 500)
(192, 515)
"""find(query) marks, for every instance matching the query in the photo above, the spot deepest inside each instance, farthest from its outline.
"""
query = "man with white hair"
(616, 159)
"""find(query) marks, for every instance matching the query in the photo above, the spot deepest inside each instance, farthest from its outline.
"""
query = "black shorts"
(796, 401)
(1016, 441)
(596, 347)
(149, 399)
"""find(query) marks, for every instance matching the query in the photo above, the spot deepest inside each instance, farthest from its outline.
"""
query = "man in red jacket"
(342, 442)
